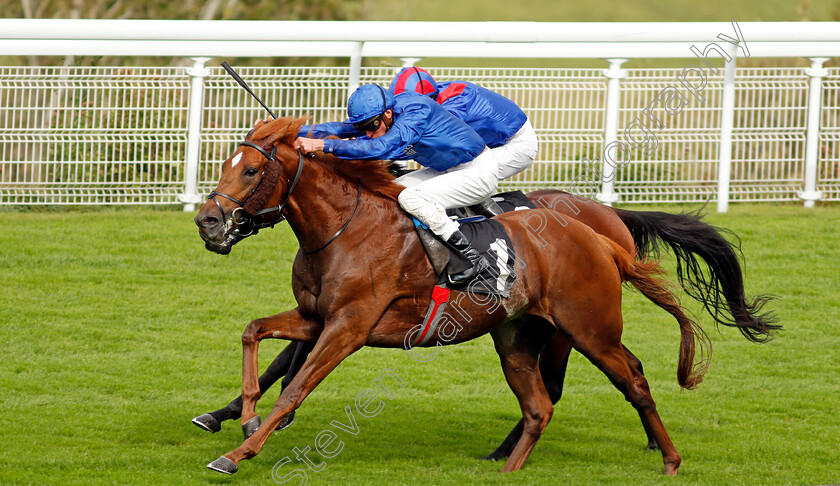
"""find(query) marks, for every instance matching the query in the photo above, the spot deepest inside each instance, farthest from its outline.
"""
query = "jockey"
(499, 121)
(459, 170)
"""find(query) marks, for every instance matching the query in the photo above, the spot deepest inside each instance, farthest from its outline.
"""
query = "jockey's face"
(387, 121)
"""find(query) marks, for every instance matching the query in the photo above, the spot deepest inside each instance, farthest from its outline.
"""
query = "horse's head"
(254, 186)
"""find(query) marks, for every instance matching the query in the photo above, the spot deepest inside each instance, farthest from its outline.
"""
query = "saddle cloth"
(490, 239)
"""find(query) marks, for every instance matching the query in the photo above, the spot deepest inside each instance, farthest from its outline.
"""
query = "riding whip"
(247, 88)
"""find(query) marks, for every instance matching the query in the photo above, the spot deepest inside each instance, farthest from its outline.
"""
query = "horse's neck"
(323, 202)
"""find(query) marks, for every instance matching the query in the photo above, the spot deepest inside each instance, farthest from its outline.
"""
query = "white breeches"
(518, 153)
(430, 193)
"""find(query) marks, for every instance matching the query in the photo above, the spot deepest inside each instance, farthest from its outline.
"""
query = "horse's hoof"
(671, 468)
(223, 465)
(208, 423)
(286, 422)
(251, 426)
(500, 454)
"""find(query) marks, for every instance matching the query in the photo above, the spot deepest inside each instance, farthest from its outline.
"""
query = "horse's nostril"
(207, 222)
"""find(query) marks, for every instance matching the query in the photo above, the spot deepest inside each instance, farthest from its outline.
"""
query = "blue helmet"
(368, 101)
(414, 80)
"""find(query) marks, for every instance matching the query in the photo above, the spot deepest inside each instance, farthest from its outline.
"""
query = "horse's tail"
(644, 275)
(721, 288)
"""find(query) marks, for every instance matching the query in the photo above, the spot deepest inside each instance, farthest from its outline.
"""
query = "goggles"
(369, 125)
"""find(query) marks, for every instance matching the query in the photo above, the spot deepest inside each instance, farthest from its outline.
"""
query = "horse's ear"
(258, 123)
(294, 128)
(278, 128)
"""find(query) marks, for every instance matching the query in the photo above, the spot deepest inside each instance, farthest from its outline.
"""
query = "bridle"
(239, 216)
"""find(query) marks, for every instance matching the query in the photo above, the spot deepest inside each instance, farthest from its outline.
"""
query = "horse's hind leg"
(553, 361)
(518, 344)
(636, 365)
(614, 361)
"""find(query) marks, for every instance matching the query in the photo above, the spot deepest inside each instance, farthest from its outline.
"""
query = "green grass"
(117, 327)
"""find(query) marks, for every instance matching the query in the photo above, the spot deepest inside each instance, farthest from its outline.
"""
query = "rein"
(241, 219)
(358, 197)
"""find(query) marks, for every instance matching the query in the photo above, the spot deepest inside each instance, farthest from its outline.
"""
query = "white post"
(727, 123)
(812, 144)
(197, 72)
(409, 61)
(614, 74)
(355, 68)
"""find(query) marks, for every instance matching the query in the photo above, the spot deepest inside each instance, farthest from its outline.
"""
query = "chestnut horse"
(362, 283)
(696, 245)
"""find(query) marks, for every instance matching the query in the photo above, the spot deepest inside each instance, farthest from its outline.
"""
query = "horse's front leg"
(285, 366)
(287, 325)
(340, 338)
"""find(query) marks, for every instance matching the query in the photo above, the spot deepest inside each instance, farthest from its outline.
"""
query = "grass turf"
(117, 327)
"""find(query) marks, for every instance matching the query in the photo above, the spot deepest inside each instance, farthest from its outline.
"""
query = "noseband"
(239, 216)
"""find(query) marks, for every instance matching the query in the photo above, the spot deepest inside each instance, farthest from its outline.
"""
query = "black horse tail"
(721, 287)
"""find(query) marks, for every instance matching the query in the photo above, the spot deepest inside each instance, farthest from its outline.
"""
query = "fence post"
(355, 68)
(614, 74)
(727, 123)
(812, 139)
(197, 73)
(409, 61)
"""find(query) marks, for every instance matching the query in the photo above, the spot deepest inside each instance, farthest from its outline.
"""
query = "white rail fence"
(141, 135)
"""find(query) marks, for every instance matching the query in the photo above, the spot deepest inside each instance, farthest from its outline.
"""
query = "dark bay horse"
(354, 290)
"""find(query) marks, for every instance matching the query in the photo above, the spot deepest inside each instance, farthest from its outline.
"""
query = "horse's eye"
(250, 172)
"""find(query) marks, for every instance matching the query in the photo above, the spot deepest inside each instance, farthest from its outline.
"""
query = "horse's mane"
(374, 175)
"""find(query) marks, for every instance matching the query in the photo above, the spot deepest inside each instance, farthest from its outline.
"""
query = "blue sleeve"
(458, 106)
(409, 124)
(323, 130)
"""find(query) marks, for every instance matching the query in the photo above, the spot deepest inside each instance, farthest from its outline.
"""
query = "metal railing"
(139, 135)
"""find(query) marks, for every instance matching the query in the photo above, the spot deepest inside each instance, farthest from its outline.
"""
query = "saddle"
(487, 236)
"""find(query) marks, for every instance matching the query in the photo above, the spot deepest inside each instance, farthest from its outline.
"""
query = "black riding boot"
(463, 246)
